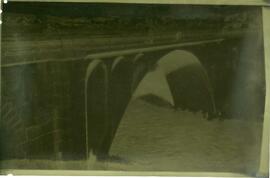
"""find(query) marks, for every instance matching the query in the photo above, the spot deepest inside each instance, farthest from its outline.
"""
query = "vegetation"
(51, 25)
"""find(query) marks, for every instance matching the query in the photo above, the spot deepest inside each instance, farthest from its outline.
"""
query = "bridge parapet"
(20, 52)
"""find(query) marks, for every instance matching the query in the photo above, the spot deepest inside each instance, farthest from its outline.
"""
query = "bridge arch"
(139, 70)
(180, 79)
(96, 106)
(119, 94)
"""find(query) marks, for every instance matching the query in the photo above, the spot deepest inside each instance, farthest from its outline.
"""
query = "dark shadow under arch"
(119, 95)
(96, 106)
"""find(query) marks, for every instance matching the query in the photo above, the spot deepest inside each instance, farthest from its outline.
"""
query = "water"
(154, 138)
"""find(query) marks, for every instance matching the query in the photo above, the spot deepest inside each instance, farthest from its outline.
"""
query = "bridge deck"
(111, 53)
(16, 52)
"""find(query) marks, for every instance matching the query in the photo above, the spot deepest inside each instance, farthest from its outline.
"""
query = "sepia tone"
(131, 87)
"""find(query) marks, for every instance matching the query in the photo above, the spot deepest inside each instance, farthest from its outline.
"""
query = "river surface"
(155, 138)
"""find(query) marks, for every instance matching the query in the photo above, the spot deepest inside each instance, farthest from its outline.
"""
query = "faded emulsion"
(131, 87)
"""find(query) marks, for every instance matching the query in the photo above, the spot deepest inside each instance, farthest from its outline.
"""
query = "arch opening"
(96, 106)
(179, 79)
(119, 95)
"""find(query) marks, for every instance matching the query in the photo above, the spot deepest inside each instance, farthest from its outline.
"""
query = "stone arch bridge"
(72, 107)
(113, 79)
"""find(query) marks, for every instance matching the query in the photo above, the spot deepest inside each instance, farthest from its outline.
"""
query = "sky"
(122, 10)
